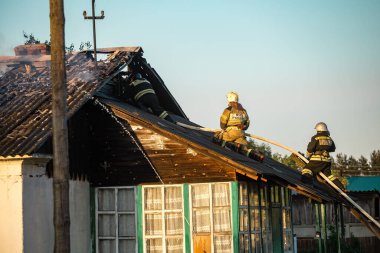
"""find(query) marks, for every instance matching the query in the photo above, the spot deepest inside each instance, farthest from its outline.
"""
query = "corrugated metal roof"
(25, 98)
(371, 183)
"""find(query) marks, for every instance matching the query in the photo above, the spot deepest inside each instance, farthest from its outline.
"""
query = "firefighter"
(234, 121)
(145, 97)
(318, 153)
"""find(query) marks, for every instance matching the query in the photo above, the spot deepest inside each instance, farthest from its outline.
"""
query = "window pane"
(253, 195)
(127, 225)
(174, 223)
(153, 224)
(243, 197)
(243, 219)
(222, 220)
(256, 245)
(107, 246)
(106, 199)
(154, 245)
(174, 245)
(243, 243)
(222, 244)
(201, 220)
(127, 246)
(221, 194)
(255, 219)
(173, 198)
(107, 226)
(200, 195)
(153, 199)
(263, 195)
(126, 200)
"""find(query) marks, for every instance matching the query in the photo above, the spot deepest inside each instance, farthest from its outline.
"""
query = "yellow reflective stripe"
(331, 177)
(137, 82)
(248, 152)
(163, 114)
(307, 171)
(231, 127)
(142, 93)
(322, 138)
(320, 158)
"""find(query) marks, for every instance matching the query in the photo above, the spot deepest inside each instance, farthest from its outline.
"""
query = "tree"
(375, 159)
(263, 147)
(285, 159)
(30, 39)
(363, 162)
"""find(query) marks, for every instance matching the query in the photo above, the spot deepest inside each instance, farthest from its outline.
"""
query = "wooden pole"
(60, 141)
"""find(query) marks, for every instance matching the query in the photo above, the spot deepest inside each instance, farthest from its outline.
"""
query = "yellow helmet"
(232, 96)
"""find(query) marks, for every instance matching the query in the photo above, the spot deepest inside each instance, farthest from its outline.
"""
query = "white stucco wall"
(11, 236)
(26, 209)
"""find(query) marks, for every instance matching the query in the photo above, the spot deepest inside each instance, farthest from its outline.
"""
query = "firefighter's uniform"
(234, 120)
(318, 152)
(145, 97)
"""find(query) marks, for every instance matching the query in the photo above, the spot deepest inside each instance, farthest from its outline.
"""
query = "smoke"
(5, 46)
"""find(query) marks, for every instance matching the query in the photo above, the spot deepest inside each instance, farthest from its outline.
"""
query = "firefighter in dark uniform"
(145, 97)
(318, 153)
(234, 121)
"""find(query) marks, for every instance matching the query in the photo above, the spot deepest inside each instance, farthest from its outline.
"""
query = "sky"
(293, 62)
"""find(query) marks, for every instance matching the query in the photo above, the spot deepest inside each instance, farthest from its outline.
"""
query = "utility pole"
(60, 141)
(93, 17)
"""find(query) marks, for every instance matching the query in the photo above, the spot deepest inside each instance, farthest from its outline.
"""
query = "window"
(249, 213)
(286, 220)
(255, 234)
(211, 217)
(115, 219)
(265, 221)
(163, 219)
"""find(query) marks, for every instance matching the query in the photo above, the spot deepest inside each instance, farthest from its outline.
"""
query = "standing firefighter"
(318, 153)
(234, 121)
(145, 97)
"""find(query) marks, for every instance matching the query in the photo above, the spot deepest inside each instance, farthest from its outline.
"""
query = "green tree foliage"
(30, 39)
(285, 159)
(375, 159)
(363, 162)
(263, 147)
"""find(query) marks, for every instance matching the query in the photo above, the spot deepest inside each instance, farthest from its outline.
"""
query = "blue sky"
(293, 62)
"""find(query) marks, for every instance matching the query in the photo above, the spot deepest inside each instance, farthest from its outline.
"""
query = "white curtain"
(153, 198)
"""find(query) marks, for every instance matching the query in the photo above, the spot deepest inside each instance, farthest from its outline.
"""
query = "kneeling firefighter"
(145, 97)
(234, 121)
(318, 153)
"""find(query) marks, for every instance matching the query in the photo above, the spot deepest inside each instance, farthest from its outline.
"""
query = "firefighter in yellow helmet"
(318, 153)
(234, 121)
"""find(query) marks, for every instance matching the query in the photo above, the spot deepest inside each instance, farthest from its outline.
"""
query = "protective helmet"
(232, 97)
(321, 127)
(138, 76)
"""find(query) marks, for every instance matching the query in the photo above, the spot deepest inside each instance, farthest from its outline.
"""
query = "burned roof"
(25, 94)
(25, 112)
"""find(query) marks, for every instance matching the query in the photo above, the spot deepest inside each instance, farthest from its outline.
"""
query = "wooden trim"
(200, 149)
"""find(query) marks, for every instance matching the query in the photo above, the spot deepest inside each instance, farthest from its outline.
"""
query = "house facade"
(138, 183)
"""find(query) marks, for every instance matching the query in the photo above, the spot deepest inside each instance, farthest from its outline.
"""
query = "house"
(364, 190)
(138, 183)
